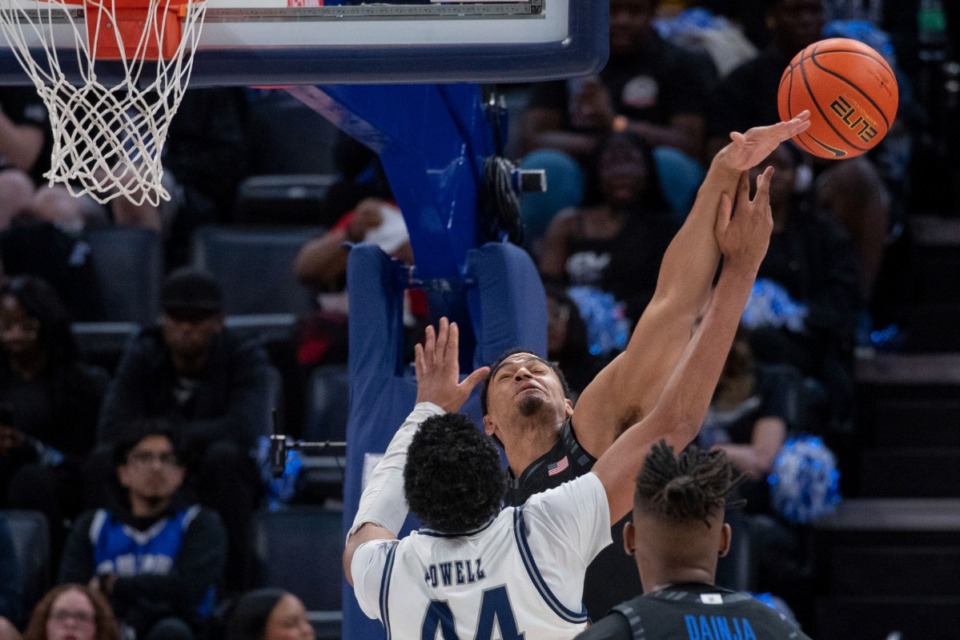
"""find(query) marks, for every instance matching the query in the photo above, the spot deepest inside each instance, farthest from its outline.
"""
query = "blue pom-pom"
(805, 482)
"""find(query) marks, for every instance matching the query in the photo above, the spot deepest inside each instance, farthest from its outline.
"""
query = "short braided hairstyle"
(684, 488)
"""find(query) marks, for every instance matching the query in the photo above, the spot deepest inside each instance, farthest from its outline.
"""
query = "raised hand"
(437, 366)
(747, 150)
(743, 234)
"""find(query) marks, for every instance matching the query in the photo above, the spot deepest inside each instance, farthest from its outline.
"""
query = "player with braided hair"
(676, 537)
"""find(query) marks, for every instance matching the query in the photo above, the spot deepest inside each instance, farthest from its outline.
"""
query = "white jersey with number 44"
(520, 576)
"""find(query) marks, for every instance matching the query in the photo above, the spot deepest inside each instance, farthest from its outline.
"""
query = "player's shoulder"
(586, 487)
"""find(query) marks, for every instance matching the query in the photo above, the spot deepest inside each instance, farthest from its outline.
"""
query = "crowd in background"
(161, 444)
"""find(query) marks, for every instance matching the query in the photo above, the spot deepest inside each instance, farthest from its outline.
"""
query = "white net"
(108, 127)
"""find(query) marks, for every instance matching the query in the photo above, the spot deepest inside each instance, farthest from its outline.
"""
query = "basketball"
(851, 93)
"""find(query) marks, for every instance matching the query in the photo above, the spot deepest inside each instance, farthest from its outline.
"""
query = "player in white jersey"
(476, 572)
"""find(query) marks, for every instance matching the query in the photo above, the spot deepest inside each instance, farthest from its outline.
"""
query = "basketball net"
(108, 127)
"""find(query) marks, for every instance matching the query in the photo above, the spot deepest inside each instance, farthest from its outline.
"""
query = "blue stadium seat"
(31, 541)
(255, 267)
(129, 267)
(300, 550)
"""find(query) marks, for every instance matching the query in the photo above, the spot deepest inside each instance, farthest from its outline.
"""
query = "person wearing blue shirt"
(158, 558)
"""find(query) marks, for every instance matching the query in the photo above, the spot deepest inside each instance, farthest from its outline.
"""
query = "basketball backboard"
(284, 42)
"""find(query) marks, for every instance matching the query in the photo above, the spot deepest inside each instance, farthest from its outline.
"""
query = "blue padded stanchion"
(507, 308)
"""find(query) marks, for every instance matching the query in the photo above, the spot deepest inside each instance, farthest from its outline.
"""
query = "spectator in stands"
(615, 245)
(11, 587)
(322, 265)
(649, 87)
(216, 390)
(676, 537)
(25, 139)
(50, 402)
(156, 556)
(34, 244)
(806, 310)
(269, 614)
(72, 612)
(752, 409)
(567, 343)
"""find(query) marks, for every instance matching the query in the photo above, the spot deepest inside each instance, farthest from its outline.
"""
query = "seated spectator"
(72, 612)
(11, 586)
(752, 409)
(156, 556)
(213, 388)
(34, 244)
(322, 265)
(806, 303)
(25, 135)
(269, 614)
(567, 343)
(676, 537)
(649, 87)
(50, 402)
(615, 245)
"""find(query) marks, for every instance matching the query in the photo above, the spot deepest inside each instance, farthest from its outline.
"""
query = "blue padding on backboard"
(508, 308)
(507, 301)
(380, 395)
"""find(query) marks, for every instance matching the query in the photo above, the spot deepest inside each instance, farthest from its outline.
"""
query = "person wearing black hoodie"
(155, 555)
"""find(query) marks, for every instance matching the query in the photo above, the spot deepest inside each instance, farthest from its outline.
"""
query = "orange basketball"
(851, 93)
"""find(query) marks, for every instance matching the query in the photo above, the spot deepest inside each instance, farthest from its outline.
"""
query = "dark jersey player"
(676, 537)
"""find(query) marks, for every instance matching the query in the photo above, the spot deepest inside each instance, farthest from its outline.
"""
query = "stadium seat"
(287, 199)
(129, 267)
(328, 404)
(255, 267)
(300, 550)
(103, 343)
(31, 539)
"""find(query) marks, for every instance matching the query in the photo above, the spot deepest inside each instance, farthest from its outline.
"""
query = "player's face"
(288, 621)
(152, 472)
(72, 617)
(524, 386)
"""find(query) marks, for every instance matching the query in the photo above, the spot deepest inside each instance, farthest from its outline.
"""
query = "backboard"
(287, 42)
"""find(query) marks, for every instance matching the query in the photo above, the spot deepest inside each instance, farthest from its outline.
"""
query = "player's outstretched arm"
(629, 387)
(383, 506)
(677, 417)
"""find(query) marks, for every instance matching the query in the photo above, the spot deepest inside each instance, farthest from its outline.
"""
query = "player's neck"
(663, 577)
(534, 436)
